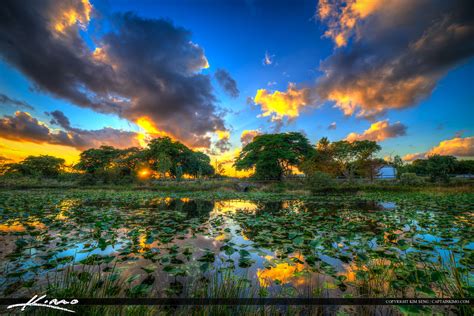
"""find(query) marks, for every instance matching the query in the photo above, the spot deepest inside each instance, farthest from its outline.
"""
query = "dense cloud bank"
(141, 68)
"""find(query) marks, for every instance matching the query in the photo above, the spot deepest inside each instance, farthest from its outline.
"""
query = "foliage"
(409, 178)
(167, 156)
(273, 155)
(440, 167)
(344, 158)
(319, 181)
(37, 166)
(320, 160)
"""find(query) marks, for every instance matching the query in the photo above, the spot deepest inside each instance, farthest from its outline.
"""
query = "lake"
(169, 246)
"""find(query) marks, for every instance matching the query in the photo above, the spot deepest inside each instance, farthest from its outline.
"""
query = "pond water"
(332, 246)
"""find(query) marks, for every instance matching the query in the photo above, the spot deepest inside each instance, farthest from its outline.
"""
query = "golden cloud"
(279, 104)
(372, 94)
(379, 131)
(342, 17)
(69, 15)
(415, 156)
(458, 146)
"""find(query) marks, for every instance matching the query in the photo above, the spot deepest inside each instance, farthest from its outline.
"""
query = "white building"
(387, 172)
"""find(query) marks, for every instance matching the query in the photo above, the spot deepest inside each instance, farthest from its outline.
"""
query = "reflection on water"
(282, 243)
(282, 272)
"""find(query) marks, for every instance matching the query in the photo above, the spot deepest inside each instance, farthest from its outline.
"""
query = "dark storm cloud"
(5, 99)
(397, 54)
(227, 82)
(60, 119)
(142, 68)
(25, 128)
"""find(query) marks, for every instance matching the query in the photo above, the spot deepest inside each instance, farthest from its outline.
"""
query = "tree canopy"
(39, 166)
(274, 155)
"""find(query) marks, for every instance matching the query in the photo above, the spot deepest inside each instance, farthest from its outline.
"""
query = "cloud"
(5, 99)
(140, 68)
(379, 131)
(398, 53)
(332, 126)
(247, 136)
(223, 142)
(457, 146)
(341, 20)
(267, 59)
(460, 147)
(278, 105)
(415, 156)
(25, 128)
(227, 82)
(60, 119)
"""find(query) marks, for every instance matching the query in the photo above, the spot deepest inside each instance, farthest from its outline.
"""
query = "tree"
(366, 164)
(464, 167)
(38, 166)
(320, 160)
(220, 169)
(360, 154)
(97, 160)
(163, 164)
(273, 155)
(399, 165)
(167, 156)
(440, 167)
(199, 165)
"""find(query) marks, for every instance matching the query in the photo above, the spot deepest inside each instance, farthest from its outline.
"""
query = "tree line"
(269, 156)
(163, 157)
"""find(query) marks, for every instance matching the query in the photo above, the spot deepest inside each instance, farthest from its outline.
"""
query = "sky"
(214, 74)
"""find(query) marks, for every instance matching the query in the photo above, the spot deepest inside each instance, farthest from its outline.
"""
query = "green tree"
(166, 155)
(273, 155)
(38, 166)
(320, 160)
(440, 167)
(399, 165)
(352, 155)
(163, 164)
(97, 160)
(464, 167)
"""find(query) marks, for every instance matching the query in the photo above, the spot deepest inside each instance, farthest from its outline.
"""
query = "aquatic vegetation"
(144, 243)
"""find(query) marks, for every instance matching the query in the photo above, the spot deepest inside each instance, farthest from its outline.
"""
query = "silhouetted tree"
(273, 155)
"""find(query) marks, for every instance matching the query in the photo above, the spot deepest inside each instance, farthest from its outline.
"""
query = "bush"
(320, 181)
(410, 178)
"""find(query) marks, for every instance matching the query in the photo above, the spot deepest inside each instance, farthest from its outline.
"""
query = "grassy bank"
(293, 186)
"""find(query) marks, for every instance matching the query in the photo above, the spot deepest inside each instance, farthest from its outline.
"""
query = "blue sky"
(235, 36)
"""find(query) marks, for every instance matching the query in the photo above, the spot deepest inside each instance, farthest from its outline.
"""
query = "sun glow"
(144, 173)
(148, 130)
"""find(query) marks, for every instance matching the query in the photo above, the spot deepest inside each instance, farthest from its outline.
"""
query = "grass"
(294, 186)
(93, 282)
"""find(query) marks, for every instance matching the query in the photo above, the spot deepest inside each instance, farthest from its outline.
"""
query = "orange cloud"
(458, 146)
(279, 104)
(342, 17)
(379, 131)
(461, 147)
(415, 156)
(248, 135)
(149, 131)
(372, 95)
(68, 15)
